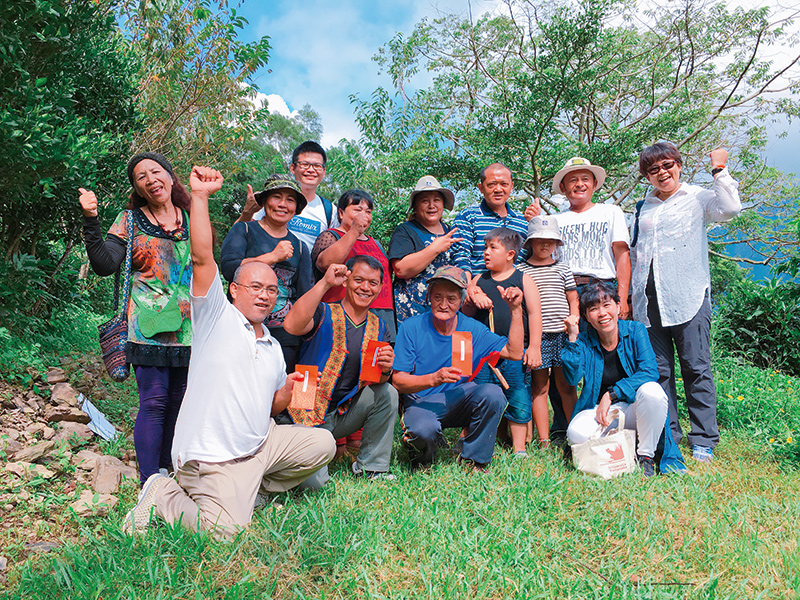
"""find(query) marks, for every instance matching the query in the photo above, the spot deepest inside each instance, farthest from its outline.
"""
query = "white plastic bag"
(607, 454)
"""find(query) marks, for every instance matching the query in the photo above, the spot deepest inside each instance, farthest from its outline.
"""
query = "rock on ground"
(29, 470)
(65, 413)
(92, 504)
(77, 433)
(35, 452)
(64, 394)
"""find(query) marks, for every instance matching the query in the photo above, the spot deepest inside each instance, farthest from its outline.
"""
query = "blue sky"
(321, 50)
(321, 54)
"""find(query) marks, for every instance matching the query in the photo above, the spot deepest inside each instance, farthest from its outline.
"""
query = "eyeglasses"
(666, 165)
(256, 289)
(308, 165)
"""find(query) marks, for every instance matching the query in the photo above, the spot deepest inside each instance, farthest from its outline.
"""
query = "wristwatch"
(716, 170)
(613, 395)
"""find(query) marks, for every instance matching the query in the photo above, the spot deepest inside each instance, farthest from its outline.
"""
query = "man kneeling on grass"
(436, 395)
(227, 447)
(339, 338)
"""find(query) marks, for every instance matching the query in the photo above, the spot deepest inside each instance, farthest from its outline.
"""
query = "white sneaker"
(139, 517)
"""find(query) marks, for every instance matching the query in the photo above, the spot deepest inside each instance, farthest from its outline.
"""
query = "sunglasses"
(666, 165)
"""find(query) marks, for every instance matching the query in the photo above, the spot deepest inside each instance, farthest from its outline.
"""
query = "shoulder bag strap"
(126, 278)
(328, 206)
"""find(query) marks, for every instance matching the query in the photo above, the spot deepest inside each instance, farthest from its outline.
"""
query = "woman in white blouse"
(670, 282)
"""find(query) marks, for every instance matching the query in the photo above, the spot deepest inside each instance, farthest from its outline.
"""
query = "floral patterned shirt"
(410, 294)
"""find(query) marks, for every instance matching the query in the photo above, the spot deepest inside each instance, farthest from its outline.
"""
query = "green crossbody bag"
(168, 318)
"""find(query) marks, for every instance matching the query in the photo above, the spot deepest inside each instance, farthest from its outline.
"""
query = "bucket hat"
(576, 163)
(282, 182)
(430, 184)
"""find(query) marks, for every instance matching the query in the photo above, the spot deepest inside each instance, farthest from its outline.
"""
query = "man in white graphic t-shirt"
(596, 242)
(308, 166)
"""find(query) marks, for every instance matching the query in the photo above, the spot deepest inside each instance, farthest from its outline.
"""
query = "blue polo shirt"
(420, 349)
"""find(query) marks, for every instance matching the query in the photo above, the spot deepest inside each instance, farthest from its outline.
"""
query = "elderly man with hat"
(420, 246)
(270, 241)
(434, 355)
(595, 235)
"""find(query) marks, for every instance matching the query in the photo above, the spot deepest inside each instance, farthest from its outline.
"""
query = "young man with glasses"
(308, 166)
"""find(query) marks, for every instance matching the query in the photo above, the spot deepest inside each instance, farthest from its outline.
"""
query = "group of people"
(461, 326)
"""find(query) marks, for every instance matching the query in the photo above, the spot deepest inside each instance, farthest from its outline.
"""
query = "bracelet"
(716, 170)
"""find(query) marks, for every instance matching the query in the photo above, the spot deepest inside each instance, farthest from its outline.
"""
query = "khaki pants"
(219, 497)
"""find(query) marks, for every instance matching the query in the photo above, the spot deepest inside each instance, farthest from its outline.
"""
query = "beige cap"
(544, 227)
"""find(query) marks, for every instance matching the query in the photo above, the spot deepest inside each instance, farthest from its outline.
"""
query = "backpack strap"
(328, 206)
(638, 211)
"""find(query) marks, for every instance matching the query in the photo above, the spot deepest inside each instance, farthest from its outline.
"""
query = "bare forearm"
(281, 401)
(201, 238)
(515, 347)
(300, 317)
(406, 383)
(414, 264)
(535, 330)
(337, 252)
(623, 260)
(246, 216)
(572, 300)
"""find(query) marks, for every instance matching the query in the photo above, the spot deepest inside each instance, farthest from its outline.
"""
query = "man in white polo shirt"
(309, 162)
(227, 448)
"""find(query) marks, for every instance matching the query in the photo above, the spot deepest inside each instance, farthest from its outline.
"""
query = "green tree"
(535, 85)
(67, 115)
(267, 151)
(194, 80)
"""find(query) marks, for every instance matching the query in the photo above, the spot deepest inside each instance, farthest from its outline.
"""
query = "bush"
(760, 404)
(761, 323)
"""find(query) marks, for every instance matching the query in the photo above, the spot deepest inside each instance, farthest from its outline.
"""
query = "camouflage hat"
(430, 184)
(282, 182)
(451, 274)
(544, 227)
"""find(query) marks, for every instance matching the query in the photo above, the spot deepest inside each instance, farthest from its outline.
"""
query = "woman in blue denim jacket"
(619, 371)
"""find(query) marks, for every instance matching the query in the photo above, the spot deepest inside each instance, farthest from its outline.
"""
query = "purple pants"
(160, 395)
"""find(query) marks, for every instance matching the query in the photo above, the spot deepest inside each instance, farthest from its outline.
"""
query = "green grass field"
(530, 528)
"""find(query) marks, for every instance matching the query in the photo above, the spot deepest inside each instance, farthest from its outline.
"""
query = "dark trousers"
(161, 392)
(692, 341)
(476, 407)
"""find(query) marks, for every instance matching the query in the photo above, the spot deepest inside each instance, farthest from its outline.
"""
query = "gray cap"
(544, 227)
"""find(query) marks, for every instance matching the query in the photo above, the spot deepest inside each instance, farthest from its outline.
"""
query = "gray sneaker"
(139, 517)
(372, 475)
